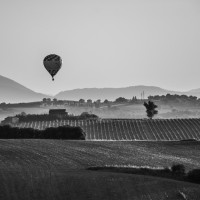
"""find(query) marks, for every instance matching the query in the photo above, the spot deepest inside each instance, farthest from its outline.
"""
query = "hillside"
(112, 93)
(13, 92)
(194, 92)
(78, 155)
(35, 184)
(55, 169)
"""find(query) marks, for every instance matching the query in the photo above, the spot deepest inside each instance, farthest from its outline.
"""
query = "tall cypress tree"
(150, 109)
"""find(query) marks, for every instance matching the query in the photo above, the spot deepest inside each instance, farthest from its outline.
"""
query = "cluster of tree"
(88, 102)
(20, 105)
(48, 100)
(47, 117)
(54, 101)
(81, 102)
(176, 172)
(86, 115)
(124, 100)
(106, 102)
(36, 117)
(191, 176)
(63, 132)
(174, 98)
(121, 100)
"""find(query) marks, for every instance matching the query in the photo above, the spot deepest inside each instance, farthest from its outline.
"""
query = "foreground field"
(35, 184)
(55, 169)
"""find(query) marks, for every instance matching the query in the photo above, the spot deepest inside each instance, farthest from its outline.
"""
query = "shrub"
(62, 132)
(178, 169)
(194, 176)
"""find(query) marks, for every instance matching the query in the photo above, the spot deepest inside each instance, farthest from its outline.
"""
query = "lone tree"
(150, 109)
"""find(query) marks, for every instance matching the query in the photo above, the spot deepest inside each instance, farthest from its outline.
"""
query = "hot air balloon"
(52, 63)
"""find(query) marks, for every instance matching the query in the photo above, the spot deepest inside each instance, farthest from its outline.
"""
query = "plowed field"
(55, 169)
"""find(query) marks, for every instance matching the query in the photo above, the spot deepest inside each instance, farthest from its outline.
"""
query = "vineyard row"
(130, 129)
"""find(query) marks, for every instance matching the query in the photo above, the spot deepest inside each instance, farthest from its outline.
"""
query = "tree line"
(47, 117)
(176, 172)
(63, 132)
(174, 98)
(81, 102)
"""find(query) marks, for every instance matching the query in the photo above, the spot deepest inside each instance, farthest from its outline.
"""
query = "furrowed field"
(56, 169)
(129, 129)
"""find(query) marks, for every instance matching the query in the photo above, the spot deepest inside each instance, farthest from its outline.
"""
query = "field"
(56, 169)
(129, 129)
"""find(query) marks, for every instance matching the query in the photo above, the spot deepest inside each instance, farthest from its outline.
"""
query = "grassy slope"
(40, 184)
(82, 154)
(53, 169)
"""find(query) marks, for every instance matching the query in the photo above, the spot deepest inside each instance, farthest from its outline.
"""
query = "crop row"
(130, 129)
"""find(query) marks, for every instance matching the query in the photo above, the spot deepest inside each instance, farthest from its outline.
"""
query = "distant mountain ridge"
(113, 93)
(194, 92)
(13, 92)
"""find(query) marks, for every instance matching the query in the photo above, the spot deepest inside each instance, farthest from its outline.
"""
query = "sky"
(103, 43)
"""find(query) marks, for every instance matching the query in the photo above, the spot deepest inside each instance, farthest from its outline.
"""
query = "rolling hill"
(13, 92)
(56, 169)
(113, 93)
(194, 92)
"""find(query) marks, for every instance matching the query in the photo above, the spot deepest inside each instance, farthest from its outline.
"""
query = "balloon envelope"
(52, 63)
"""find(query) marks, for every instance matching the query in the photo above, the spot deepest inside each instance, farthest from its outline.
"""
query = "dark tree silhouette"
(150, 109)
(178, 169)
(81, 101)
(62, 132)
(106, 101)
(194, 176)
(121, 100)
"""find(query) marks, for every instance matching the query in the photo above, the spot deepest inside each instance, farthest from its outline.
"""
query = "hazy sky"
(103, 43)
